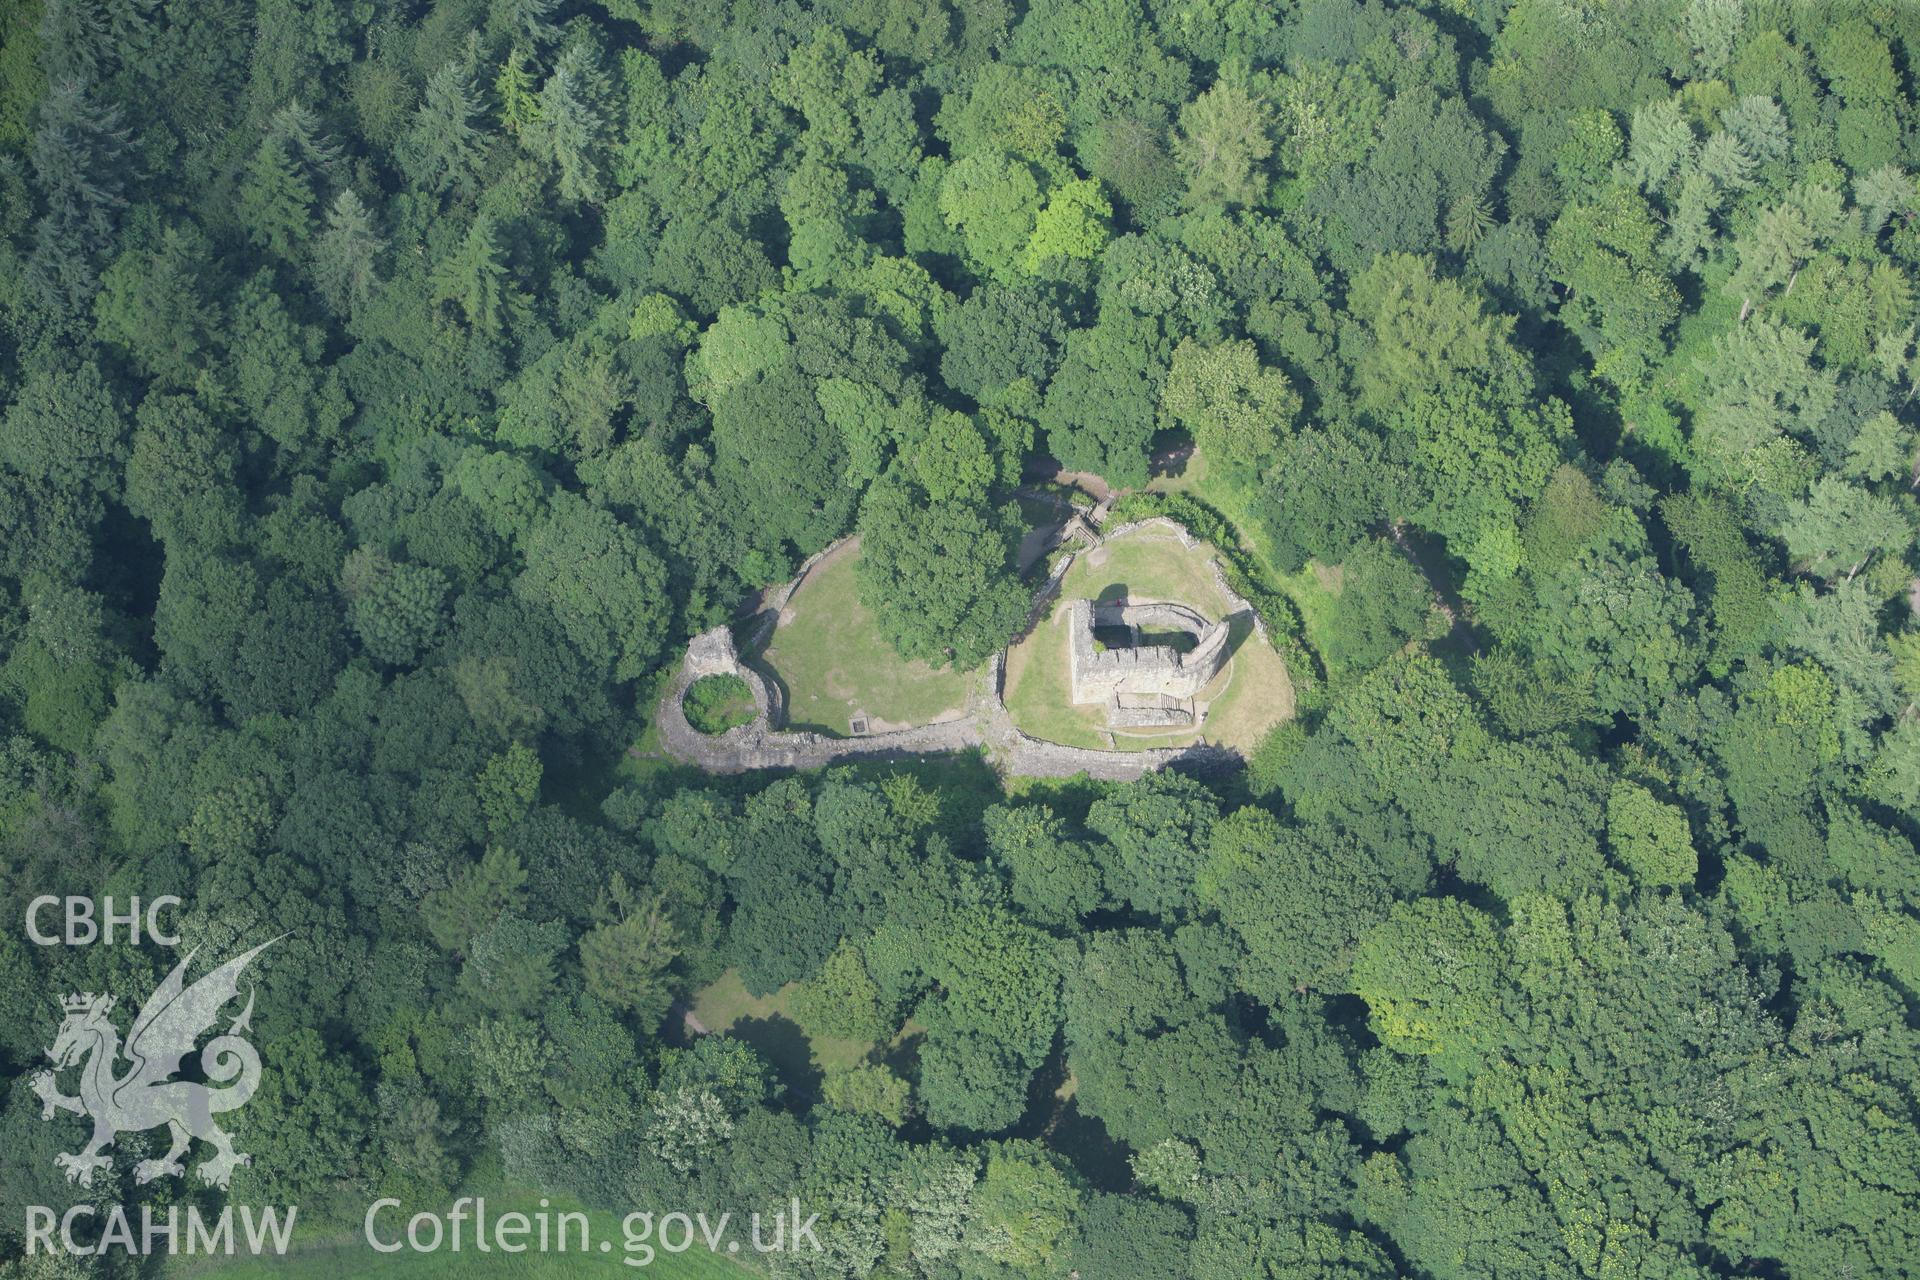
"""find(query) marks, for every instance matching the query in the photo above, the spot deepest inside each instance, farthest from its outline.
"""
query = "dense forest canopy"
(389, 390)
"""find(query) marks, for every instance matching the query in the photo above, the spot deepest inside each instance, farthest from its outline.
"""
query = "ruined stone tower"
(1142, 685)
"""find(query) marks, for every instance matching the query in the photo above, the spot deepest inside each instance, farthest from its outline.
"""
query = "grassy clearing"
(1257, 694)
(346, 1253)
(1192, 478)
(1147, 564)
(1245, 700)
(835, 665)
(1315, 592)
(770, 1025)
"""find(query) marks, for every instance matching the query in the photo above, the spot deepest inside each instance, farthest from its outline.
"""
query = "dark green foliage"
(387, 392)
(1299, 899)
(1325, 492)
(1157, 828)
(603, 584)
(999, 336)
(444, 147)
(776, 456)
(937, 575)
(625, 957)
(1383, 602)
(1055, 879)
(155, 303)
(715, 704)
(1100, 407)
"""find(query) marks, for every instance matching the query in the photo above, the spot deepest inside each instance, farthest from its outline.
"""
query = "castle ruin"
(1143, 685)
(1147, 684)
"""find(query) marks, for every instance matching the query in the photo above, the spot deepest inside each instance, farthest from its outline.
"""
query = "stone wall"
(1123, 714)
(761, 744)
(1021, 756)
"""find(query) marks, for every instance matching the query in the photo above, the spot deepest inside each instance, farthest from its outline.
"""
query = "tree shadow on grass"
(1171, 451)
(780, 1041)
(1069, 798)
(902, 1056)
(1082, 1140)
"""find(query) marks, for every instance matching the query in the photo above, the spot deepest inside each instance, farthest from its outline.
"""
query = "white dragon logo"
(147, 1096)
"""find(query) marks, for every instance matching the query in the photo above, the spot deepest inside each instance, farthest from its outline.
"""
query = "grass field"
(1244, 701)
(347, 1254)
(835, 665)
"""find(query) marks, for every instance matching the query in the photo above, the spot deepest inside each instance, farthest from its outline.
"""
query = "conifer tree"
(527, 19)
(344, 253)
(473, 277)
(519, 106)
(276, 198)
(442, 151)
(76, 163)
(73, 40)
(569, 129)
(317, 155)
